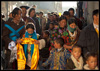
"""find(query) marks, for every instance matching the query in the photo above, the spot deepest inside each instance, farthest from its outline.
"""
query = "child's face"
(30, 31)
(76, 52)
(56, 45)
(51, 26)
(55, 26)
(92, 62)
(44, 35)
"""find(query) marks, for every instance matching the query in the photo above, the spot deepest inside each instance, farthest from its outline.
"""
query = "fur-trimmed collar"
(78, 65)
(86, 67)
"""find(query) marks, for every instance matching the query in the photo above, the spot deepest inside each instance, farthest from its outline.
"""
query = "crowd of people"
(60, 42)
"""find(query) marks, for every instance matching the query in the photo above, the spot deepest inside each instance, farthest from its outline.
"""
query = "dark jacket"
(6, 31)
(38, 30)
(70, 64)
(79, 23)
(89, 40)
(45, 51)
(2, 41)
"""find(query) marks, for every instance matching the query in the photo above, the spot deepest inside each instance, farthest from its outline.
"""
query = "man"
(51, 20)
(42, 21)
(79, 23)
(66, 14)
(89, 37)
(24, 12)
(13, 31)
(48, 17)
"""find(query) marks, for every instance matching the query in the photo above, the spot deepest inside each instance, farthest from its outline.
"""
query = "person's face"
(71, 13)
(96, 18)
(30, 30)
(92, 62)
(76, 52)
(62, 23)
(10, 15)
(37, 15)
(24, 11)
(55, 26)
(45, 35)
(56, 45)
(51, 18)
(55, 17)
(51, 26)
(48, 15)
(32, 13)
(18, 16)
(67, 16)
(73, 25)
(40, 15)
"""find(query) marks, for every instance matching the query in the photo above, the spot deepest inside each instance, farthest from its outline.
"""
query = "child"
(29, 49)
(51, 27)
(91, 61)
(44, 44)
(58, 56)
(76, 61)
(56, 25)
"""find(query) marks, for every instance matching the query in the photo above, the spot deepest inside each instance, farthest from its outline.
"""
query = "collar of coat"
(91, 27)
(60, 50)
(78, 65)
(86, 67)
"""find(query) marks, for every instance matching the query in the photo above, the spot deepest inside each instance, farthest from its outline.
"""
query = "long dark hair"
(30, 11)
(61, 18)
(15, 11)
(30, 26)
(72, 20)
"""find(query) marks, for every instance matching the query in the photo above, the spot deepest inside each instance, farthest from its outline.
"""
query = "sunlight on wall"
(68, 4)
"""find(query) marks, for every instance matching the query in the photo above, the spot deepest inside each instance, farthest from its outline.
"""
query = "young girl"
(28, 48)
(71, 35)
(31, 51)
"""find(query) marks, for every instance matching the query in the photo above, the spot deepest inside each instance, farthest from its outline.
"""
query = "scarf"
(87, 67)
(34, 36)
(79, 65)
(21, 59)
(70, 29)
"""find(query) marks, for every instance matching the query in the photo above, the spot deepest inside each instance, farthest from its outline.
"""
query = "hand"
(43, 64)
(65, 46)
(37, 42)
(19, 41)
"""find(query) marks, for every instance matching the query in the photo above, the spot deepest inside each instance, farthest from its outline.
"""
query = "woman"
(12, 31)
(35, 20)
(71, 35)
(58, 32)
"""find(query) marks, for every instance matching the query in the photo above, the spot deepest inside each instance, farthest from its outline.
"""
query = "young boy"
(58, 56)
(91, 61)
(76, 61)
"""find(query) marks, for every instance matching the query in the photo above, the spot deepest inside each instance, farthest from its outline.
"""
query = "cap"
(25, 7)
